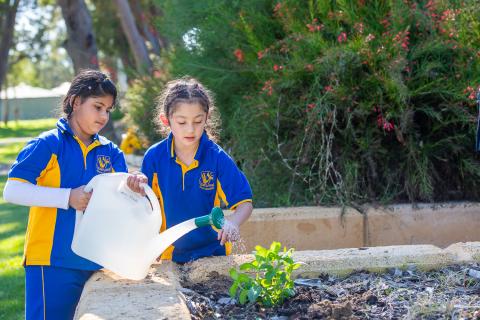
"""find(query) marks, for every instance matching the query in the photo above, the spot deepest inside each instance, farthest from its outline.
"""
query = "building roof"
(23, 91)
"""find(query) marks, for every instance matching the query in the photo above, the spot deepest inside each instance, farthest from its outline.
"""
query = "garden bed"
(451, 292)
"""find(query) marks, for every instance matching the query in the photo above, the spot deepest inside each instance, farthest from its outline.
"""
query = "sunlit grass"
(13, 222)
(26, 128)
(9, 152)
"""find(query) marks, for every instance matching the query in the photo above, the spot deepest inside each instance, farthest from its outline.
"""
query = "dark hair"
(186, 90)
(88, 83)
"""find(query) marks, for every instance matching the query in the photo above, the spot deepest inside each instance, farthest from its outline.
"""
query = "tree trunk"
(80, 45)
(144, 27)
(135, 41)
(7, 23)
(6, 104)
(155, 11)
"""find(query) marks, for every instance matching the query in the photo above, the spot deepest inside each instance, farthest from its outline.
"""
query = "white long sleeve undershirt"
(27, 194)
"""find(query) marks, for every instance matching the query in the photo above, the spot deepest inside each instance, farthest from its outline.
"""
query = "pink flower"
(388, 126)
(328, 88)
(157, 74)
(342, 37)
(310, 106)
(267, 87)
(359, 27)
(370, 37)
(261, 53)
(276, 67)
(314, 26)
(277, 7)
(239, 55)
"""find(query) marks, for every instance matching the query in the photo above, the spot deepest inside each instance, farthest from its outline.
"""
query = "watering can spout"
(215, 218)
(163, 240)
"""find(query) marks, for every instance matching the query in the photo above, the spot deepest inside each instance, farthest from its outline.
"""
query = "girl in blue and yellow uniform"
(49, 175)
(191, 174)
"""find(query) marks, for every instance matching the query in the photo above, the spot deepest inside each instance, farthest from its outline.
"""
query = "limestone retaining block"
(345, 261)
(317, 228)
(438, 224)
(304, 228)
(106, 296)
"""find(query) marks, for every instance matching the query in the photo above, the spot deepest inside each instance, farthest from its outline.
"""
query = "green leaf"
(275, 246)
(243, 296)
(233, 273)
(247, 266)
(243, 278)
(260, 251)
(266, 266)
(253, 294)
(290, 292)
(266, 283)
(296, 266)
(233, 290)
(270, 274)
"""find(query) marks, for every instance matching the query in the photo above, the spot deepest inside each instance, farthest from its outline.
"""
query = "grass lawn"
(9, 152)
(13, 222)
(26, 128)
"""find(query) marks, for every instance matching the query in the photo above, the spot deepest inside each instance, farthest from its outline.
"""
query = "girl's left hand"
(135, 181)
(230, 232)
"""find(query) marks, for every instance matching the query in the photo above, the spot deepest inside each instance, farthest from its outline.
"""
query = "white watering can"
(120, 228)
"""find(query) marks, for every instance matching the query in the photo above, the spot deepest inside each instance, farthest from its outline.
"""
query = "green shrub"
(139, 105)
(268, 280)
(336, 102)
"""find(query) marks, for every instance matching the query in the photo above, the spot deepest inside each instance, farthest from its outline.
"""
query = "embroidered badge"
(104, 164)
(206, 180)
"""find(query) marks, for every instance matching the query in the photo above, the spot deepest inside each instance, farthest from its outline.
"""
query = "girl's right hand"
(79, 199)
(135, 181)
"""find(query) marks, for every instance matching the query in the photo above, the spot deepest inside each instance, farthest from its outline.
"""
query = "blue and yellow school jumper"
(54, 275)
(186, 192)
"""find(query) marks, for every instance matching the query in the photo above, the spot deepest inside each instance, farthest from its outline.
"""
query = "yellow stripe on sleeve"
(239, 203)
(220, 194)
(19, 179)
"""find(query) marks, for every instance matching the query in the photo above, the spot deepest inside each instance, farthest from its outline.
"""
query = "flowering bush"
(340, 101)
(130, 142)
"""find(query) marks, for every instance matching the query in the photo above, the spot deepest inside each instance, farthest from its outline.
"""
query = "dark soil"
(449, 293)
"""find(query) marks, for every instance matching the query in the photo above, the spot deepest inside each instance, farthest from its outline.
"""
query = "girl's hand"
(79, 199)
(230, 232)
(135, 180)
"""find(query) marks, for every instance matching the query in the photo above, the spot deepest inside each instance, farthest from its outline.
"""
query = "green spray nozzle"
(215, 218)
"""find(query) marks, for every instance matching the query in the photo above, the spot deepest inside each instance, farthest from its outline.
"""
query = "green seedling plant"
(267, 279)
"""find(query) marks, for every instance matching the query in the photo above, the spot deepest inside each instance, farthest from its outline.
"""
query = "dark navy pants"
(52, 293)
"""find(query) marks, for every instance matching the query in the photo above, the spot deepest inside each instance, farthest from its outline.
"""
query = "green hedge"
(339, 102)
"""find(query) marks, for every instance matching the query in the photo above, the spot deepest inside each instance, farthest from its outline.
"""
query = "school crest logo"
(206, 180)
(104, 164)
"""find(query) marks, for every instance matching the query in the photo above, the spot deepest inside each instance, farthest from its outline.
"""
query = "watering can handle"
(152, 197)
(79, 214)
(87, 188)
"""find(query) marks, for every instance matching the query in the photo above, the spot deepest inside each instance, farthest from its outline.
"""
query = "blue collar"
(200, 150)
(63, 125)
